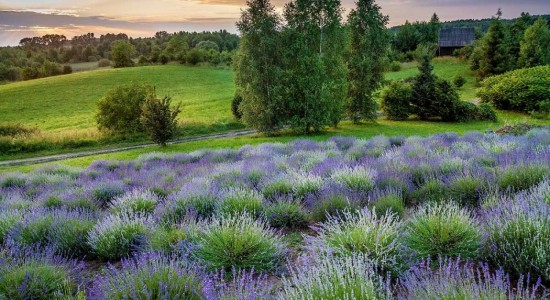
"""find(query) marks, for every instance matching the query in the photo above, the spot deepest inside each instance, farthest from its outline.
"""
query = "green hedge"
(524, 90)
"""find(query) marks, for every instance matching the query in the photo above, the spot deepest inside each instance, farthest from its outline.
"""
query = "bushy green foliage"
(286, 214)
(459, 81)
(395, 66)
(358, 178)
(135, 202)
(159, 119)
(119, 236)
(104, 63)
(525, 90)
(392, 203)
(8, 220)
(120, 110)
(535, 46)
(368, 35)
(522, 177)
(467, 190)
(39, 280)
(364, 232)
(235, 104)
(396, 100)
(258, 67)
(331, 205)
(238, 201)
(433, 190)
(239, 242)
(442, 230)
(122, 52)
(327, 277)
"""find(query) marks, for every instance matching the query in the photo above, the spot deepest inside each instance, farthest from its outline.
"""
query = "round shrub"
(396, 100)
(433, 190)
(118, 236)
(467, 190)
(331, 205)
(176, 208)
(13, 181)
(522, 177)
(28, 275)
(135, 202)
(104, 63)
(325, 277)
(364, 232)
(238, 201)
(304, 184)
(9, 219)
(459, 81)
(442, 230)
(166, 240)
(525, 90)
(392, 203)
(358, 178)
(286, 214)
(104, 193)
(277, 188)
(519, 235)
(120, 110)
(395, 66)
(237, 241)
(455, 279)
(149, 276)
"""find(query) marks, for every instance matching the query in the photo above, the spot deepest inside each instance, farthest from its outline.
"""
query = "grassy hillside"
(65, 105)
(69, 102)
(444, 67)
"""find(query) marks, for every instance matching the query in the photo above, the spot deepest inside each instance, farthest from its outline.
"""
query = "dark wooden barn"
(451, 39)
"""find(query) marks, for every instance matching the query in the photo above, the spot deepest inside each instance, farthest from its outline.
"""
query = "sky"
(25, 18)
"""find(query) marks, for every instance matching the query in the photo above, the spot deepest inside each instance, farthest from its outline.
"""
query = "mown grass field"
(68, 102)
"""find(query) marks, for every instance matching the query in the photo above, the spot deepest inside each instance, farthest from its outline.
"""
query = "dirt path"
(58, 157)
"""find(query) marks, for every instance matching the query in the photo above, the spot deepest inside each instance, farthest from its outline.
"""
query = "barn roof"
(456, 37)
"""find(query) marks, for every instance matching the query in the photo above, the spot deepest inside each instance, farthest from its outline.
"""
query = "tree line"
(52, 54)
(325, 70)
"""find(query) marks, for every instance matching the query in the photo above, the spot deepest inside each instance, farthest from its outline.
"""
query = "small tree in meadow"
(119, 111)
(158, 118)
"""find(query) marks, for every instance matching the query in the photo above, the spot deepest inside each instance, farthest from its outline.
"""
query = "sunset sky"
(22, 18)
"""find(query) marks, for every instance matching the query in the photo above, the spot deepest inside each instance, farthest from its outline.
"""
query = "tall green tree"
(258, 67)
(407, 38)
(535, 46)
(494, 53)
(517, 30)
(314, 61)
(122, 52)
(368, 48)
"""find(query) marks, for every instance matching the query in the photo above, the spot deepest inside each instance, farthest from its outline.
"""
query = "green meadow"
(65, 106)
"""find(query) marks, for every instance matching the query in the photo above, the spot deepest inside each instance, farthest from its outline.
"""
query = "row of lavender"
(408, 218)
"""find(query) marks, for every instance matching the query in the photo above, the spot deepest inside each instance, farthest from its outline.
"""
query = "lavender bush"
(478, 196)
(456, 279)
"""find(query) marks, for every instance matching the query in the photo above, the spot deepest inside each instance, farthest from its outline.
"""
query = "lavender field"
(443, 217)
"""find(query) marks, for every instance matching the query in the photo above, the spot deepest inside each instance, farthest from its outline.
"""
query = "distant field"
(68, 102)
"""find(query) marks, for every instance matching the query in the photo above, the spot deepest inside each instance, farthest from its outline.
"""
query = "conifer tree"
(369, 44)
(494, 54)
